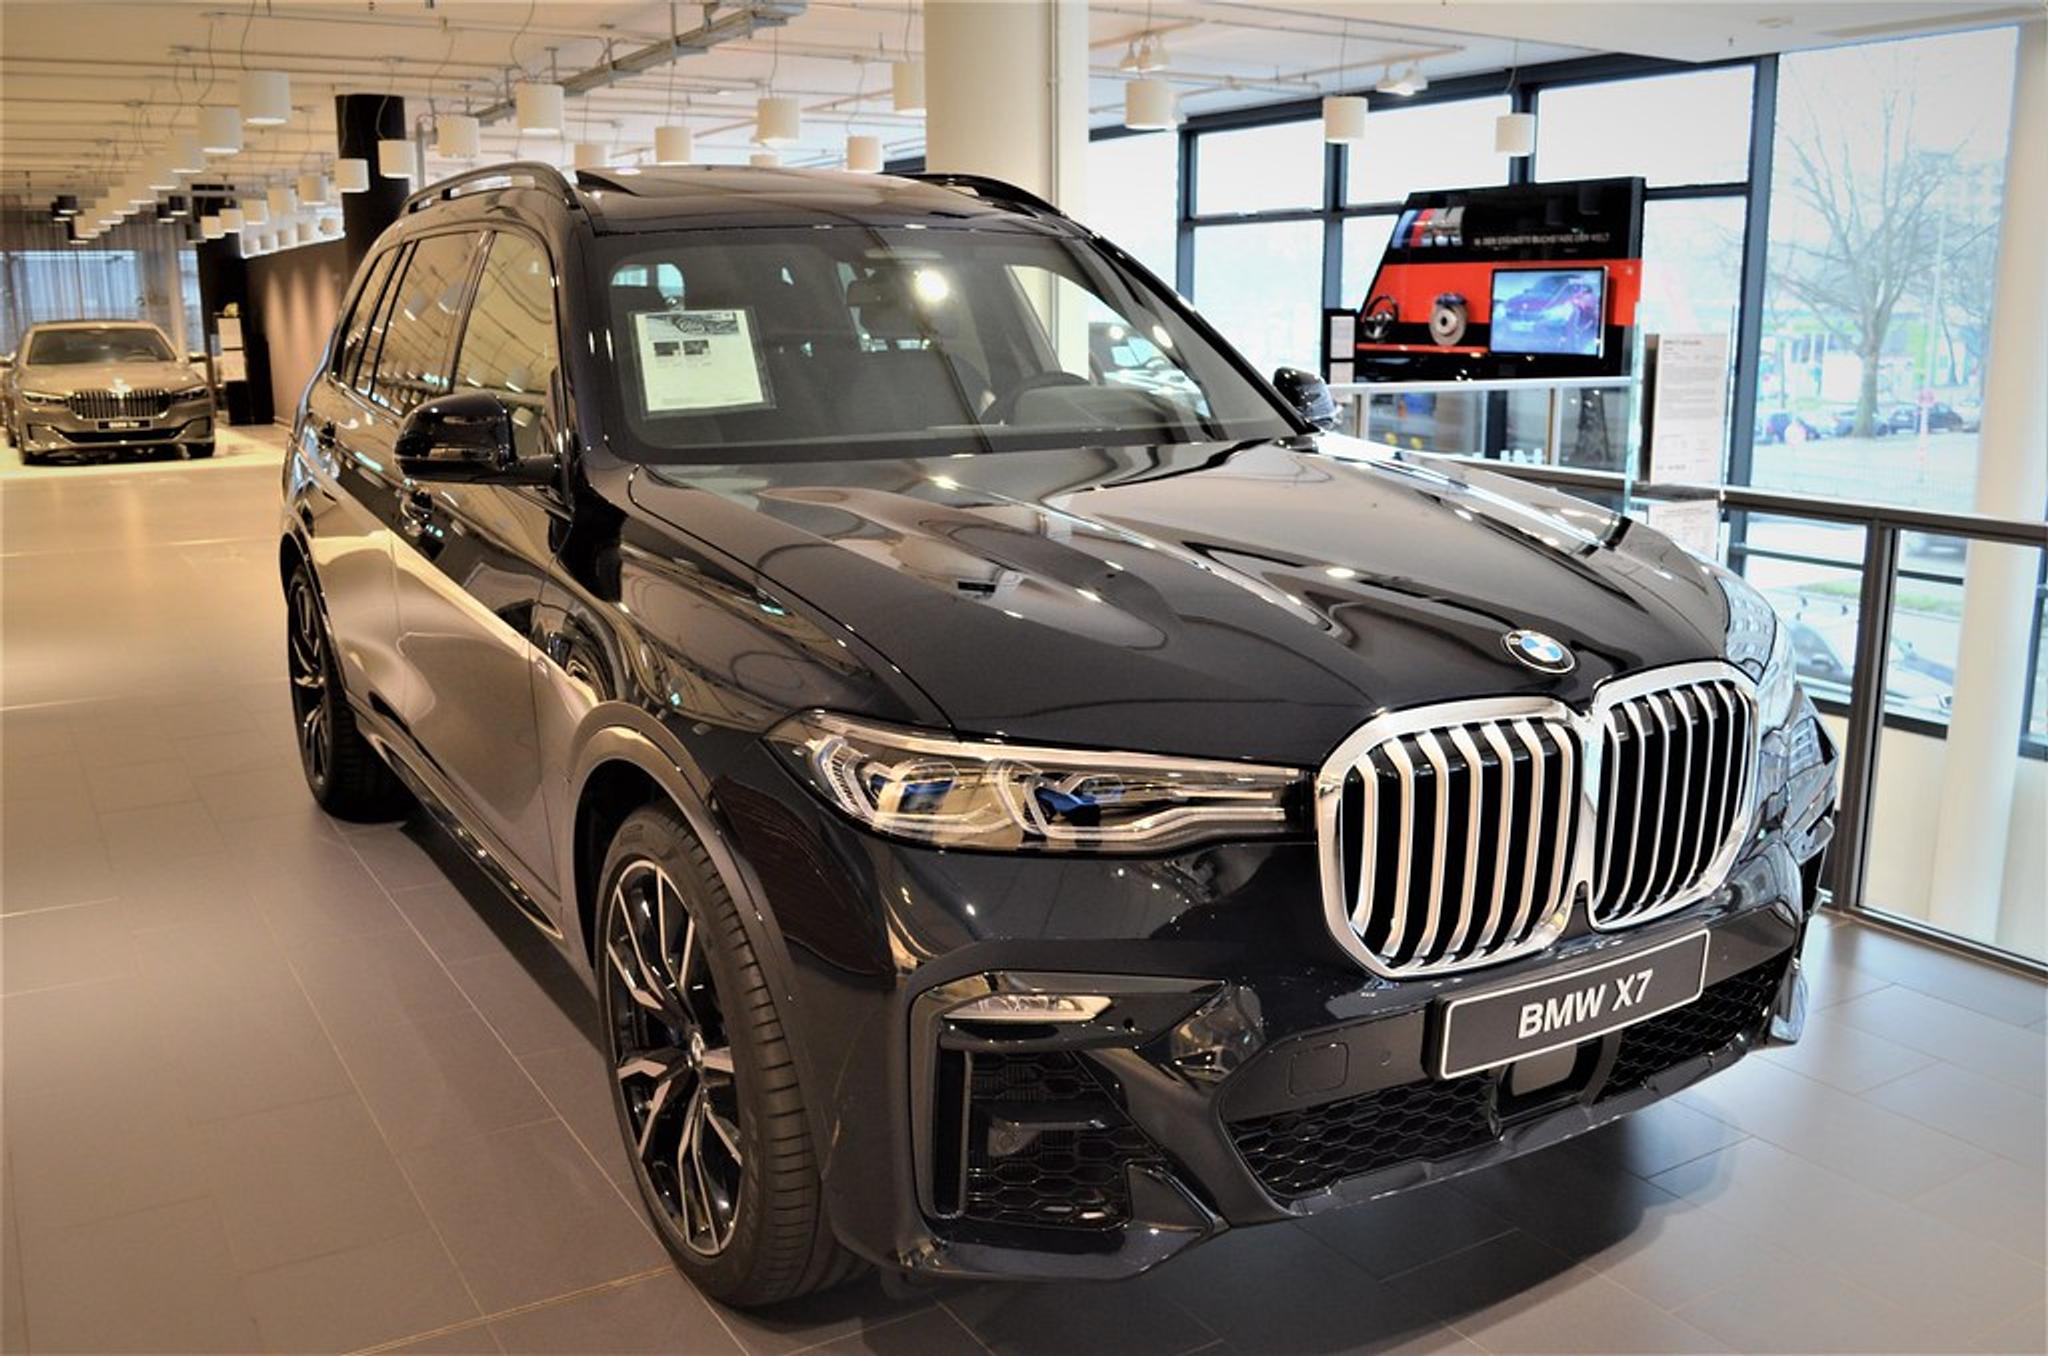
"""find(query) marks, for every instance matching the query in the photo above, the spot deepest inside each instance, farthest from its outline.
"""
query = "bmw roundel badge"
(1539, 652)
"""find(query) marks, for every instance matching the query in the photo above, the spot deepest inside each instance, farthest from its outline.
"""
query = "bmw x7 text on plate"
(1018, 817)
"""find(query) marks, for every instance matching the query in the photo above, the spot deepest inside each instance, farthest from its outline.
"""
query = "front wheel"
(703, 1082)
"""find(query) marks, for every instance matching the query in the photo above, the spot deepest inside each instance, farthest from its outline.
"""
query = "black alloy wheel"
(672, 1058)
(306, 660)
(704, 1080)
(346, 775)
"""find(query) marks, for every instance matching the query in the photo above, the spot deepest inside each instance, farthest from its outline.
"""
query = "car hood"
(1254, 600)
(64, 378)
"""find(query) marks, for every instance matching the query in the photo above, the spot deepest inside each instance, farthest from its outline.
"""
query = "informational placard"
(692, 362)
(229, 328)
(232, 366)
(1694, 524)
(1688, 409)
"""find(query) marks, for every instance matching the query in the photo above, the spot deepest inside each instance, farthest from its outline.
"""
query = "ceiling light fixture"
(220, 131)
(394, 158)
(232, 219)
(778, 121)
(284, 200)
(1152, 53)
(863, 154)
(540, 108)
(352, 175)
(674, 145)
(764, 160)
(266, 98)
(1344, 118)
(458, 136)
(1149, 105)
(313, 189)
(591, 155)
(1514, 133)
(255, 212)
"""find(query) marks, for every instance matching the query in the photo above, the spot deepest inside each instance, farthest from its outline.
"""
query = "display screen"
(1549, 310)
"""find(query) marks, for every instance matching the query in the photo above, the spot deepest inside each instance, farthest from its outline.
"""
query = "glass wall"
(1671, 129)
(1261, 285)
(1134, 196)
(1888, 169)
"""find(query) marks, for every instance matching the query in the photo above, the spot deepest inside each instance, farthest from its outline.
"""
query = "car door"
(470, 561)
(345, 492)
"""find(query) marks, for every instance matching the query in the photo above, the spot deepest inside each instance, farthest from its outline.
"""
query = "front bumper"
(1246, 1070)
(50, 429)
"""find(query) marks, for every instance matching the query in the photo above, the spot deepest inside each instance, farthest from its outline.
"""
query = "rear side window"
(353, 338)
(508, 346)
(412, 363)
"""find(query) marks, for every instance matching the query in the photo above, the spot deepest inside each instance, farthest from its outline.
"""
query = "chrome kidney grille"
(1676, 767)
(1464, 839)
(139, 404)
(1463, 834)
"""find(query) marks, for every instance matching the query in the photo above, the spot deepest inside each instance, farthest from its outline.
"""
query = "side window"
(412, 364)
(350, 349)
(508, 345)
(380, 325)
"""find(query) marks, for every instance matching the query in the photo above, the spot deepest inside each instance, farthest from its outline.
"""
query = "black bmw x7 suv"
(1016, 821)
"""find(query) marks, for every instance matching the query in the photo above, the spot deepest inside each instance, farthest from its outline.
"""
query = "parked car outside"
(1015, 824)
(92, 387)
(1784, 426)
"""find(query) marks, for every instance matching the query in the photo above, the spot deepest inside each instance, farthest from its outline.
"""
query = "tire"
(199, 451)
(347, 777)
(698, 1052)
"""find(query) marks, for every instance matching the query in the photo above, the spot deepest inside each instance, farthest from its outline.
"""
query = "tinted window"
(412, 365)
(508, 345)
(122, 344)
(380, 325)
(351, 347)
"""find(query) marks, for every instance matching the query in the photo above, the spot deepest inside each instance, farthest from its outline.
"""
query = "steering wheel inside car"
(1005, 405)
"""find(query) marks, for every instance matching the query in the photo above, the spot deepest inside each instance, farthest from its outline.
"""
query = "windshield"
(857, 341)
(100, 344)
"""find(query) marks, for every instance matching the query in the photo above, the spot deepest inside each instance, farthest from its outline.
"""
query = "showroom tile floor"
(269, 1084)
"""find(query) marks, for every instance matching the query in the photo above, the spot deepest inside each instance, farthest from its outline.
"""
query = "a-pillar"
(1980, 768)
(360, 122)
(1006, 93)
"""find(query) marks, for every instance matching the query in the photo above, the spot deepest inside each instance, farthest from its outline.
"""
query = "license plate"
(117, 425)
(1486, 1030)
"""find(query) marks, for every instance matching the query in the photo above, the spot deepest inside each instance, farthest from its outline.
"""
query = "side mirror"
(467, 436)
(6, 361)
(196, 357)
(1309, 396)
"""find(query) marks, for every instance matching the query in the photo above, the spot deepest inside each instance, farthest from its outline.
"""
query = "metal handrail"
(1883, 525)
(1942, 522)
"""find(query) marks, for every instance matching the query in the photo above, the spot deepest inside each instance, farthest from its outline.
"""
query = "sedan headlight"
(43, 398)
(977, 794)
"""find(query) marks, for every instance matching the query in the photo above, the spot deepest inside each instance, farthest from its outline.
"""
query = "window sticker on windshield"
(694, 361)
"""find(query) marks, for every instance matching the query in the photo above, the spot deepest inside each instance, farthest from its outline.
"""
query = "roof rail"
(539, 173)
(991, 190)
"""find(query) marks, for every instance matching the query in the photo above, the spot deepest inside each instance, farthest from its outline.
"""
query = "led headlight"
(1010, 798)
(1759, 643)
(42, 398)
(1779, 689)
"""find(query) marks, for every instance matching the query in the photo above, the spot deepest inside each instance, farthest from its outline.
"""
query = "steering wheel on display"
(1005, 405)
(1376, 322)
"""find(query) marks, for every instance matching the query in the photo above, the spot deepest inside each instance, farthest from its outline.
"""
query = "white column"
(1006, 93)
(1979, 768)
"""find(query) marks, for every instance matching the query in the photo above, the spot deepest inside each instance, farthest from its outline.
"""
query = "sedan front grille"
(1675, 771)
(150, 403)
(1463, 834)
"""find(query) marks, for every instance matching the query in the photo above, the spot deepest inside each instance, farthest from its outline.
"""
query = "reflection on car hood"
(1251, 600)
(64, 378)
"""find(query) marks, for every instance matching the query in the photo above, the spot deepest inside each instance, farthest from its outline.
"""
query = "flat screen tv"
(1549, 310)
